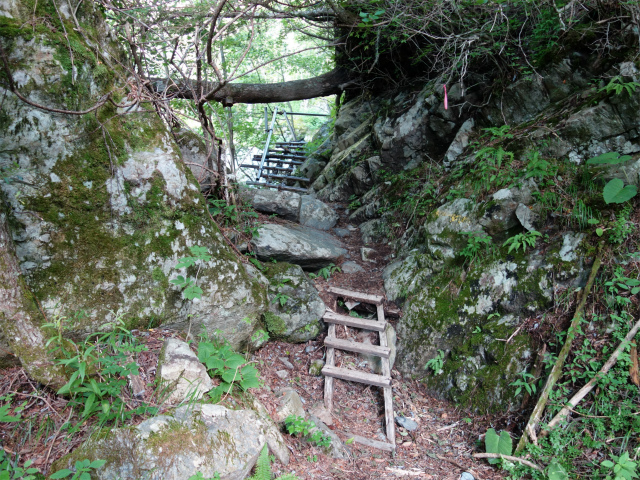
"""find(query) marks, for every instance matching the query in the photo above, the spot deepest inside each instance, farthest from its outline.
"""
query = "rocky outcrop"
(101, 206)
(295, 308)
(311, 249)
(304, 209)
(209, 439)
(180, 374)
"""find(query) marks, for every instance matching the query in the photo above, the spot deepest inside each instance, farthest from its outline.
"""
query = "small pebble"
(286, 363)
(466, 476)
(283, 374)
(407, 423)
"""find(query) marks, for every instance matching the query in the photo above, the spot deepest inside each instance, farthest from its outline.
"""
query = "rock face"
(311, 249)
(207, 438)
(304, 209)
(181, 374)
(295, 308)
(100, 224)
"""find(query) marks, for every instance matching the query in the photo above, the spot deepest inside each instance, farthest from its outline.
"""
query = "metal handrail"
(266, 145)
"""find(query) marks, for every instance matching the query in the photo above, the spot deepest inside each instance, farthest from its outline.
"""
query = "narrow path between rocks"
(440, 447)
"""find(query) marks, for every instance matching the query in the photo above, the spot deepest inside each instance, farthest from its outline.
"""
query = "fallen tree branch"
(556, 372)
(510, 458)
(562, 414)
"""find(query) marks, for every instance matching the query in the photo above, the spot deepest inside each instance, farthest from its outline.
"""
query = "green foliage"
(82, 470)
(436, 363)
(326, 272)
(242, 217)
(622, 228)
(539, 168)
(354, 202)
(280, 298)
(107, 354)
(263, 468)
(260, 336)
(200, 476)
(231, 367)
(296, 425)
(617, 85)
(524, 240)
(191, 289)
(622, 469)
(616, 192)
(527, 382)
(555, 471)
(497, 444)
(476, 242)
(9, 470)
(6, 408)
(610, 158)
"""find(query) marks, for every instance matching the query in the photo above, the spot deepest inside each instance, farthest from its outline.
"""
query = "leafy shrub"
(436, 363)
(523, 240)
(296, 425)
(232, 368)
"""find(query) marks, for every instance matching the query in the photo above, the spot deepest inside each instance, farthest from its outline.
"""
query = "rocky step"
(356, 376)
(361, 297)
(278, 186)
(287, 177)
(357, 347)
(331, 317)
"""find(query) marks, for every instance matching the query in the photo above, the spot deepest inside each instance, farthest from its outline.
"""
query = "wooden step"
(363, 297)
(278, 186)
(378, 351)
(287, 177)
(355, 376)
(285, 156)
(331, 317)
(387, 447)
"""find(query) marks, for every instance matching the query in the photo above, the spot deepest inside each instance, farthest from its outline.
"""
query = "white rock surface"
(181, 373)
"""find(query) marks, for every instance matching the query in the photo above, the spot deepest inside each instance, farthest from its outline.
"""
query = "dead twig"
(510, 458)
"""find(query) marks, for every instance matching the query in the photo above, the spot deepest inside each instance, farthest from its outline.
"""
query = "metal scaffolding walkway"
(277, 167)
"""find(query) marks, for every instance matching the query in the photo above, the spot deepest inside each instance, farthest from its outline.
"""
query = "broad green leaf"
(192, 292)
(235, 361)
(179, 280)
(230, 376)
(205, 350)
(611, 158)
(599, 232)
(556, 471)
(65, 472)
(491, 441)
(88, 406)
(214, 363)
(504, 445)
(186, 262)
(616, 192)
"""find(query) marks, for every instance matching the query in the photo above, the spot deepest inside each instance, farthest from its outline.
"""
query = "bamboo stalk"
(562, 414)
(556, 372)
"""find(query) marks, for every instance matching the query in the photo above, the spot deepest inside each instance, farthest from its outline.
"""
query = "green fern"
(263, 468)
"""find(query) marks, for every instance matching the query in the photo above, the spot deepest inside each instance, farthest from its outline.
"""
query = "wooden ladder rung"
(356, 376)
(362, 323)
(363, 297)
(389, 447)
(382, 352)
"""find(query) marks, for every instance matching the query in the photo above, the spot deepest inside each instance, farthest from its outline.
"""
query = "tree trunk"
(19, 316)
(331, 83)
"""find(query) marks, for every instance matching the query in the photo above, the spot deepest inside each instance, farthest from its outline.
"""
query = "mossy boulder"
(101, 206)
(205, 438)
(295, 308)
(466, 315)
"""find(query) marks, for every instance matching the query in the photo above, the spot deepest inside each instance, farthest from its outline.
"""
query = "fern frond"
(263, 466)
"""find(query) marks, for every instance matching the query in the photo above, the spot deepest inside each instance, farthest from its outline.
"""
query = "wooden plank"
(364, 324)
(389, 419)
(283, 162)
(371, 443)
(278, 186)
(328, 381)
(357, 347)
(355, 376)
(363, 297)
(286, 177)
(285, 156)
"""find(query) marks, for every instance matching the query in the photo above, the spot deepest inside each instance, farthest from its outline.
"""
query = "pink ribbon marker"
(446, 100)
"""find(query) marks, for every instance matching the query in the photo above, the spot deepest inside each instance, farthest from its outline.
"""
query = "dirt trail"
(446, 437)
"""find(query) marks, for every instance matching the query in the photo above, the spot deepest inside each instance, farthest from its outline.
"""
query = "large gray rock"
(285, 204)
(207, 438)
(316, 214)
(289, 404)
(181, 374)
(311, 249)
(300, 318)
(195, 156)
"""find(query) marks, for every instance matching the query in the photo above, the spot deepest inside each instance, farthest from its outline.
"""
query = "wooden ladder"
(330, 371)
